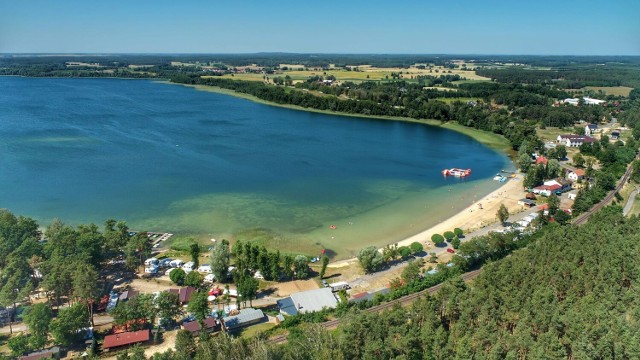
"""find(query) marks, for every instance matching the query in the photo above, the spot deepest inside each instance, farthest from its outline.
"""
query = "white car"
(209, 278)
(151, 270)
(188, 266)
(258, 275)
(205, 269)
(151, 261)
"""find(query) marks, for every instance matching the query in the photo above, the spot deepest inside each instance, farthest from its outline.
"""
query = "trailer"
(342, 285)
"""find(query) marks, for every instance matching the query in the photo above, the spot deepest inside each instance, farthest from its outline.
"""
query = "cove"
(171, 158)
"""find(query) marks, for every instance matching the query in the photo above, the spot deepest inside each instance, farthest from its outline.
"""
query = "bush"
(404, 251)
(455, 242)
(193, 278)
(449, 235)
(416, 247)
(178, 276)
(437, 239)
(459, 233)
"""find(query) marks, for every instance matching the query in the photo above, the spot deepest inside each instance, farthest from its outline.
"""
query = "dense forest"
(570, 294)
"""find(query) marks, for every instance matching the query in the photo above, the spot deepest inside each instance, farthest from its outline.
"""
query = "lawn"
(254, 330)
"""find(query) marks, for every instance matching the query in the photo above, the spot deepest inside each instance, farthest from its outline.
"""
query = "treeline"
(570, 294)
(572, 78)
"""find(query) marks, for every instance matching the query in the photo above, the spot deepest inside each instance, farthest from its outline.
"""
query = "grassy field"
(254, 330)
(611, 90)
(366, 73)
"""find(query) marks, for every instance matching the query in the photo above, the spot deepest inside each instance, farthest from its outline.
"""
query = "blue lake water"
(171, 158)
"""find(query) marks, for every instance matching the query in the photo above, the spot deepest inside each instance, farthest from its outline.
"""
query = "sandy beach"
(482, 213)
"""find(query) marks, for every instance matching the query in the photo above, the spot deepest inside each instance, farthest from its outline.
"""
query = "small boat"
(456, 172)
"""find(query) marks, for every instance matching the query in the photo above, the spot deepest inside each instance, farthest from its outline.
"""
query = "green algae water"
(171, 158)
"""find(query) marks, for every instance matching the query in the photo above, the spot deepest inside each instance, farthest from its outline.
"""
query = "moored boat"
(456, 172)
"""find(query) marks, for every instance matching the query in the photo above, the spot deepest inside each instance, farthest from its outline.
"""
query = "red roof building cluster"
(127, 338)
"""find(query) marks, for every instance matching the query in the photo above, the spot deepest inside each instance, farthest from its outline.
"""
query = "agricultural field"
(611, 90)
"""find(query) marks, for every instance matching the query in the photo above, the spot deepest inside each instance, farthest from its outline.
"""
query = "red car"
(450, 250)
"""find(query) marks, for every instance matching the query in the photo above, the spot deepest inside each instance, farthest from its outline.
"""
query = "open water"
(171, 158)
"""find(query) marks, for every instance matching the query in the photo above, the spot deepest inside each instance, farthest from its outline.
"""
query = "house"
(246, 317)
(126, 338)
(547, 190)
(590, 129)
(527, 203)
(565, 185)
(574, 140)
(591, 101)
(184, 294)
(541, 160)
(570, 101)
(129, 294)
(308, 301)
(51, 353)
(210, 325)
(575, 175)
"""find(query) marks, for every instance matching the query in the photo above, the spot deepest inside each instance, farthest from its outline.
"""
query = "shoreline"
(469, 219)
(464, 218)
(493, 141)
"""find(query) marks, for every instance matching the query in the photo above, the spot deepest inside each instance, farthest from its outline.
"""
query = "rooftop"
(245, 316)
(194, 326)
(184, 294)
(111, 341)
(43, 354)
(308, 301)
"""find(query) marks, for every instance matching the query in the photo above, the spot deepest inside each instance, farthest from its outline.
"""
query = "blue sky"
(542, 27)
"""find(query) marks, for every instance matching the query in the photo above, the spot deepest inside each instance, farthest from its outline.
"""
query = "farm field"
(611, 90)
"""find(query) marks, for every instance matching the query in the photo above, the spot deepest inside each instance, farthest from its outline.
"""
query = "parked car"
(165, 262)
(205, 269)
(450, 250)
(188, 266)
(325, 283)
(151, 270)
(209, 278)
(176, 263)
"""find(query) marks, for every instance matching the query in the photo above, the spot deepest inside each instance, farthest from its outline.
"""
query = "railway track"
(405, 300)
(584, 217)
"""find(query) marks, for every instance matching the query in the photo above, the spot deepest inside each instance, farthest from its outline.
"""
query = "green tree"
(199, 306)
(185, 345)
(455, 242)
(325, 262)
(248, 289)
(85, 278)
(370, 259)
(193, 278)
(220, 258)
(503, 214)
(168, 306)
(459, 233)
(19, 345)
(404, 252)
(178, 276)
(411, 272)
(301, 267)
(553, 168)
(554, 203)
(449, 235)
(65, 328)
(524, 162)
(561, 152)
(416, 247)
(38, 318)
(437, 239)
(287, 265)
(194, 250)
(130, 312)
(137, 249)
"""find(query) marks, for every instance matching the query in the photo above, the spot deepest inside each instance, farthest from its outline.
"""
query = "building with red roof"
(184, 294)
(124, 339)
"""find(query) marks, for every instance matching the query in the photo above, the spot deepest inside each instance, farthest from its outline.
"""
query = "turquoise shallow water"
(171, 158)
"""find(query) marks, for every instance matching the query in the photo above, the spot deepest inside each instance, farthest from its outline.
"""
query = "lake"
(166, 157)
